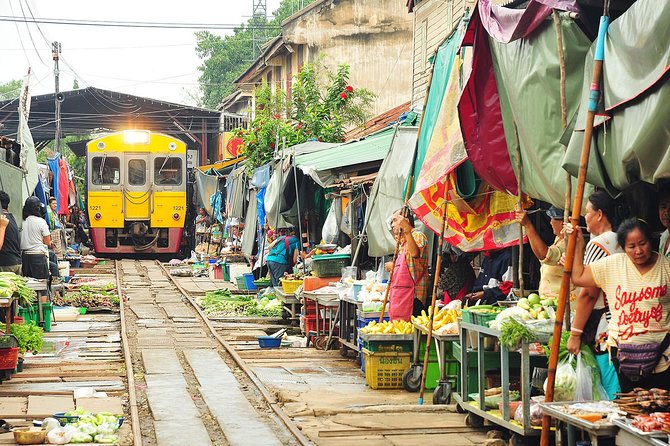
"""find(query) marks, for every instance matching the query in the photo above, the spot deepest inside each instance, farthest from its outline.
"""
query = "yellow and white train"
(136, 192)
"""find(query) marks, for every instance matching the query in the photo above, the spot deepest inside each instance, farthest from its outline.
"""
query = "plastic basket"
(483, 319)
(467, 316)
(8, 358)
(290, 286)
(249, 281)
(384, 370)
(241, 283)
(8, 341)
(329, 265)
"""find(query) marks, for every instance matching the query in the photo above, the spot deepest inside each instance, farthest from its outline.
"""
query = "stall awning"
(372, 148)
(219, 165)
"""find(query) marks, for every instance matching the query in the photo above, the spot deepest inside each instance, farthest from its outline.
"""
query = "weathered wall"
(433, 20)
(373, 37)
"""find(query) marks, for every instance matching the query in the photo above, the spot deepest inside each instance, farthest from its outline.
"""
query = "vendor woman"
(636, 285)
(410, 273)
(35, 240)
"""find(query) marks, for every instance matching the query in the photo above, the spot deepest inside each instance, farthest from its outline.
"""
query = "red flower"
(350, 89)
(277, 116)
(272, 145)
(343, 95)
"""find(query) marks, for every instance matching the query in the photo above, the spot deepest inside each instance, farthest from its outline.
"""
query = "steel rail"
(269, 398)
(132, 395)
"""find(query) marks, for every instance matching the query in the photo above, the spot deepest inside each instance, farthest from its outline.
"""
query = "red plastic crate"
(8, 358)
(324, 326)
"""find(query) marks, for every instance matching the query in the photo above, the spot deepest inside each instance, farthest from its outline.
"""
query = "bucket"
(226, 272)
(249, 281)
(47, 309)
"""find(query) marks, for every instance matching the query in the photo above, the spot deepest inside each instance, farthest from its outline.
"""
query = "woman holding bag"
(636, 284)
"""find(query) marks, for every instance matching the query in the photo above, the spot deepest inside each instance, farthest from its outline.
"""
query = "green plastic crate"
(330, 265)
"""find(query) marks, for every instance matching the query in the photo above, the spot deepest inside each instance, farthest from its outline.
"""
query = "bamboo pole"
(576, 211)
(436, 279)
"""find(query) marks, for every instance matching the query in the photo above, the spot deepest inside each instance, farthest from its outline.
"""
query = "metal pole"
(297, 204)
(436, 280)
(576, 211)
(55, 53)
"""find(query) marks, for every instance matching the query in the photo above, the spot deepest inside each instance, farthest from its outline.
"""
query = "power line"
(124, 24)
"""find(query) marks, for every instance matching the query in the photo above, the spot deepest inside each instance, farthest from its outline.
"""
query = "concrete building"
(373, 37)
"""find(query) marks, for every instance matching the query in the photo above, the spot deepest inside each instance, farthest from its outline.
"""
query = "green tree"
(10, 90)
(225, 58)
(318, 110)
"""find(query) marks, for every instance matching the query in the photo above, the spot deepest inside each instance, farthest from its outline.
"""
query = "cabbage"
(80, 437)
(106, 438)
(108, 428)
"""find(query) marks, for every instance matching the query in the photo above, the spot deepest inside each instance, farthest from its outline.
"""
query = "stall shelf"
(443, 348)
(43, 288)
(348, 322)
(595, 431)
(628, 436)
(323, 306)
(477, 409)
(291, 305)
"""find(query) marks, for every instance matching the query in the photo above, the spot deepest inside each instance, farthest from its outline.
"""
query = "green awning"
(371, 148)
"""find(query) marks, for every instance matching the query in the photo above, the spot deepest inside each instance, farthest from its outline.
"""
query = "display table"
(572, 424)
(291, 304)
(477, 409)
(629, 436)
(8, 304)
(442, 393)
(326, 306)
(42, 288)
(348, 321)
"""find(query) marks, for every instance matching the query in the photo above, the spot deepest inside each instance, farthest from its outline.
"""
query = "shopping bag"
(565, 383)
(584, 373)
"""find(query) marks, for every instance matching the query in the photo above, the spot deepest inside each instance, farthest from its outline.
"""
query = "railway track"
(187, 385)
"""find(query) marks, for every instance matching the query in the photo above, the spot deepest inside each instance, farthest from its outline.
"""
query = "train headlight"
(175, 216)
(136, 136)
(97, 216)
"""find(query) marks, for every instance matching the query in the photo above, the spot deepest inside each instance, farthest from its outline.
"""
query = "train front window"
(137, 172)
(106, 170)
(167, 171)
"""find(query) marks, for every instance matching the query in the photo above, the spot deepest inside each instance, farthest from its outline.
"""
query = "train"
(136, 183)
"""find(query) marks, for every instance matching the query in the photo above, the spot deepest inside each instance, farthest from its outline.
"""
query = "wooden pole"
(436, 280)
(576, 211)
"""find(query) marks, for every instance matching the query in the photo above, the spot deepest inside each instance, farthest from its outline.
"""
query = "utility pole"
(55, 52)
(259, 19)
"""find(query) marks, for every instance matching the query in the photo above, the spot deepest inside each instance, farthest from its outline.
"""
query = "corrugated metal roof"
(372, 148)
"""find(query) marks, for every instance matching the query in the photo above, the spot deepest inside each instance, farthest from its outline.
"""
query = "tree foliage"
(225, 58)
(10, 90)
(323, 104)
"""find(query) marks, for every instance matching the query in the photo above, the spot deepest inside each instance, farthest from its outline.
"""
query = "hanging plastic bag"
(331, 230)
(584, 373)
(565, 383)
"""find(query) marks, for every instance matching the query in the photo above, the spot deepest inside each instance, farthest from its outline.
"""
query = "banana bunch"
(388, 327)
(442, 317)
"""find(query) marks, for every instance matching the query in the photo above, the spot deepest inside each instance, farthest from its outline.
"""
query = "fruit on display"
(388, 327)
(442, 317)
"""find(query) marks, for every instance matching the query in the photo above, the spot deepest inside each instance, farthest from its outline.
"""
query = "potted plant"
(29, 338)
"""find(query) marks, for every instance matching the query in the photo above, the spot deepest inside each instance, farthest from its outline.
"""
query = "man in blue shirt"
(282, 256)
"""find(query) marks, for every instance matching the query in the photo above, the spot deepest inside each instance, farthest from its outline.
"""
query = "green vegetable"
(29, 337)
(81, 437)
(106, 438)
(513, 332)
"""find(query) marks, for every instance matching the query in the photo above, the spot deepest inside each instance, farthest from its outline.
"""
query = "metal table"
(40, 285)
(478, 409)
(291, 303)
(442, 393)
(572, 424)
(628, 436)
(348, 322)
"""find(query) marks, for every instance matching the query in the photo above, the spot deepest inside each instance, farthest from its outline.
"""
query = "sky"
(155, 63)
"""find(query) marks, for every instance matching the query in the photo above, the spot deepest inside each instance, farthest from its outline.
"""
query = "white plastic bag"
(59, 435)
(565, 383)
(584, 390)
(331, 230)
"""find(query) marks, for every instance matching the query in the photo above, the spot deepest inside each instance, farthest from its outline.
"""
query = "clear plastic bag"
(584, 390)
(565, 383)
(331, 230)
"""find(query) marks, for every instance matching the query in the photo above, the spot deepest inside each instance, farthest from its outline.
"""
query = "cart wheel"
(320, 342)
(344, 351)
(442, 394)
(473, 420)
(411, 379)
(459, 409)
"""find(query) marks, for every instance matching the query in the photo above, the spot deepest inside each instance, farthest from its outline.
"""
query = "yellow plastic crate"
(289, 286)
(384, 370)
